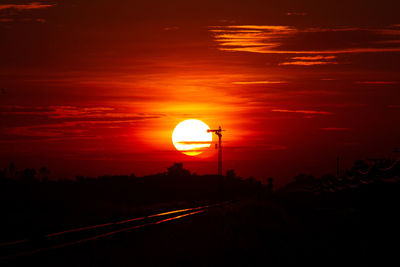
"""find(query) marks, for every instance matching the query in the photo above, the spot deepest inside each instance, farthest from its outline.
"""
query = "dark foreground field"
(350, 220)
(247, 233)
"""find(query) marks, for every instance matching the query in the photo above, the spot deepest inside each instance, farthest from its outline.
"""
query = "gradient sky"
(95, 87)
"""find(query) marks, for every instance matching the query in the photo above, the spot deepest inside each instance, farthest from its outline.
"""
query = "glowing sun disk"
(191, 137)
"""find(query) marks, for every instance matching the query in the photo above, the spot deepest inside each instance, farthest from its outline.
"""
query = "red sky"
(95, 87)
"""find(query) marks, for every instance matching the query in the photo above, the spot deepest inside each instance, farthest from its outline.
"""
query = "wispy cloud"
(394, 106)
(38, 20)
(335, 129)
(272, 147)
(250, 38)
(257, 82)
(272, 28)
(194, 142)
(10, 13)
(66, 121)
(310, 60)
(306, 63)
(376, 82)
(171, 28)
(273, 39)
(296, 14)
(74, 112)
(317, 57)
(21, 7)
(309, 112)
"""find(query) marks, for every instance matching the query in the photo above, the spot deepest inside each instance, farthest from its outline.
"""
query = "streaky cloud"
(296, 14)
(258, 82)
(310, 112)
(276, 39)
(21, 7)
(336, 129)
(317, 57)
(376, 82)
(306, 63)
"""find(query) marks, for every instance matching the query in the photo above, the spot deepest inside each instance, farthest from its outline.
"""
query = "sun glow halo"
(191, 137)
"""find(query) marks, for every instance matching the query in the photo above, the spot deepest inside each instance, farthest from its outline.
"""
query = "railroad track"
(70, 237)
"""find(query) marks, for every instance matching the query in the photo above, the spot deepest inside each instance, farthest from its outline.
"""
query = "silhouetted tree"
(28, 175)
(80, 178)
(270, 185)
(177, 170)
(230, 174)
(44, 173)
(12, 170)
(251, 179)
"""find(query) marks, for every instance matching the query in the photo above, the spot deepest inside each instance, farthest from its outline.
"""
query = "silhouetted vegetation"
(350, 218)
(33, 203)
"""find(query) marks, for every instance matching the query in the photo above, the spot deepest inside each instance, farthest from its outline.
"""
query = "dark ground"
(350, 220)
(248, 233)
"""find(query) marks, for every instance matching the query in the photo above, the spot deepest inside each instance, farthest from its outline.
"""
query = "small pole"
(219, 133)
(219, 152)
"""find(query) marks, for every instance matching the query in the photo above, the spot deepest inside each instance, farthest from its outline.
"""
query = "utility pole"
(219, 133)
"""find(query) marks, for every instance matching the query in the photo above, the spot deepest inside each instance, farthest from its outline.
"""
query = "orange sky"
(97, 87)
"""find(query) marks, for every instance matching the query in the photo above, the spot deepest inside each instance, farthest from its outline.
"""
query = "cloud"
(376, 82)
(317, 57)
(335, 129)
(21, 7)
(309, 112)
(388, 42)
(66, 122)
(74, 112)
(306, 63)
(250, 38)
(259, 146)
(394, 106)
(194, 142)
(274, 28)
(275, 39)
(39, 20)
(10, 12)
(172, 28)
(272, 147)
(257, 82)
(296, 14)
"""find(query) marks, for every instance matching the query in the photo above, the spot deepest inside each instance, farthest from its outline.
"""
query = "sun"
(191, 137)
